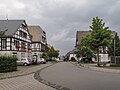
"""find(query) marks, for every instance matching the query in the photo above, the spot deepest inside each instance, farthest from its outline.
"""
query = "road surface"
(72, 77)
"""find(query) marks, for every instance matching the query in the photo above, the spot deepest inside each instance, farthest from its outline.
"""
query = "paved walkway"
(23, 79)
(26, 82)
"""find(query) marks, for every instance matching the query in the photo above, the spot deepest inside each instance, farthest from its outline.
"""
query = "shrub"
(8, 63)
(116, 65)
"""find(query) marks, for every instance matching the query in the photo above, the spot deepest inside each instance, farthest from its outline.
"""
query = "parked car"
(41, 61)
(86, 60)
(24, 61)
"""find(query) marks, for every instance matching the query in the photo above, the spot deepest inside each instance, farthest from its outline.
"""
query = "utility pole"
(114, 51)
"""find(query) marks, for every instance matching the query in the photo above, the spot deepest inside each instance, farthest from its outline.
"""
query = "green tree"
(84, 49)
(2, 32)
(101, 36)
(115, 44)
(45, 55)
(56, 53)
(51, 53)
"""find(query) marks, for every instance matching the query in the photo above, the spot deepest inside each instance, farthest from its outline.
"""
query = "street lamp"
(114, 51)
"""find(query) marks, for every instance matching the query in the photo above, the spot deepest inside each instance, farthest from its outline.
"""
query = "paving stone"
(26, 82)
(23, 79)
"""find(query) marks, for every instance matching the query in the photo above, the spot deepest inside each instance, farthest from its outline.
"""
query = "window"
(23, 34)
(20, 32)
(28, 45)
(23, 46)
(16, 43)
(35, 46)
(4, 44)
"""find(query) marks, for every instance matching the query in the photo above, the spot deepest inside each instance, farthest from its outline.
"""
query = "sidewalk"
(23, 70)
(93, 67)
(26, 82)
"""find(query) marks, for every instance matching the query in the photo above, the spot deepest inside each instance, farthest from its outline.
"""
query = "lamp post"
(114, 51)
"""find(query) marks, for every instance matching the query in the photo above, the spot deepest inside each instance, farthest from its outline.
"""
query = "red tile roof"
(36, 32)
(81, 34)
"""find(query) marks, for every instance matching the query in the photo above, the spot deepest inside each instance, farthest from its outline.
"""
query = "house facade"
(71, 54)
(16, 39)
(39, 42)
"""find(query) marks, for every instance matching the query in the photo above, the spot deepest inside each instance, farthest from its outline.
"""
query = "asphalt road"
(70, 76)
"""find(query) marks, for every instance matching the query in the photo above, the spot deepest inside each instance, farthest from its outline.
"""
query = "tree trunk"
(98, 58)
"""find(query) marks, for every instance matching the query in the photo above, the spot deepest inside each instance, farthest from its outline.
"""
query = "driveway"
(72, 77)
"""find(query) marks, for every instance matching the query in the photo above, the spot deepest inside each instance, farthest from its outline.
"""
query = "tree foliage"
(100, 37)
(50, 53)
(45, 55)
(84, 49)
(115, 44)
(2, 32)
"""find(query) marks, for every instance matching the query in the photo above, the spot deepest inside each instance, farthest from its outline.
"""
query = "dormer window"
(24, 35)
(20, 32)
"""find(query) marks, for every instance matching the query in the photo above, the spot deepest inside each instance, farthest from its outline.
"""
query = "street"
(72, 77)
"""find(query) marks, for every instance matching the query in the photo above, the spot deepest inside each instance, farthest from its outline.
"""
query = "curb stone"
(98, 69)
(16, 75)
(40, 79)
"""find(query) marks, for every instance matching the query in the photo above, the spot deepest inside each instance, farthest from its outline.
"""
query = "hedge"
(8, 63)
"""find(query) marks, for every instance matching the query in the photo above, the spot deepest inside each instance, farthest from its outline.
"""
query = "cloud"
(62, 36)
(62, 18)
(19, 5)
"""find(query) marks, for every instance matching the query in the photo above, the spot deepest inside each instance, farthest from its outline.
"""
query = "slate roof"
(11, 25)
(36, 32)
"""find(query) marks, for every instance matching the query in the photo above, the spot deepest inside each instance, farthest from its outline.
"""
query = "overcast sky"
(62, 18)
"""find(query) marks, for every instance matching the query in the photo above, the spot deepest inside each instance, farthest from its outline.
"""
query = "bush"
(8, 63)
(116, 65)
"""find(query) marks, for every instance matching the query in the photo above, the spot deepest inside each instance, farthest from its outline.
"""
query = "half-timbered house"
(16, 39)
(39, 42)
